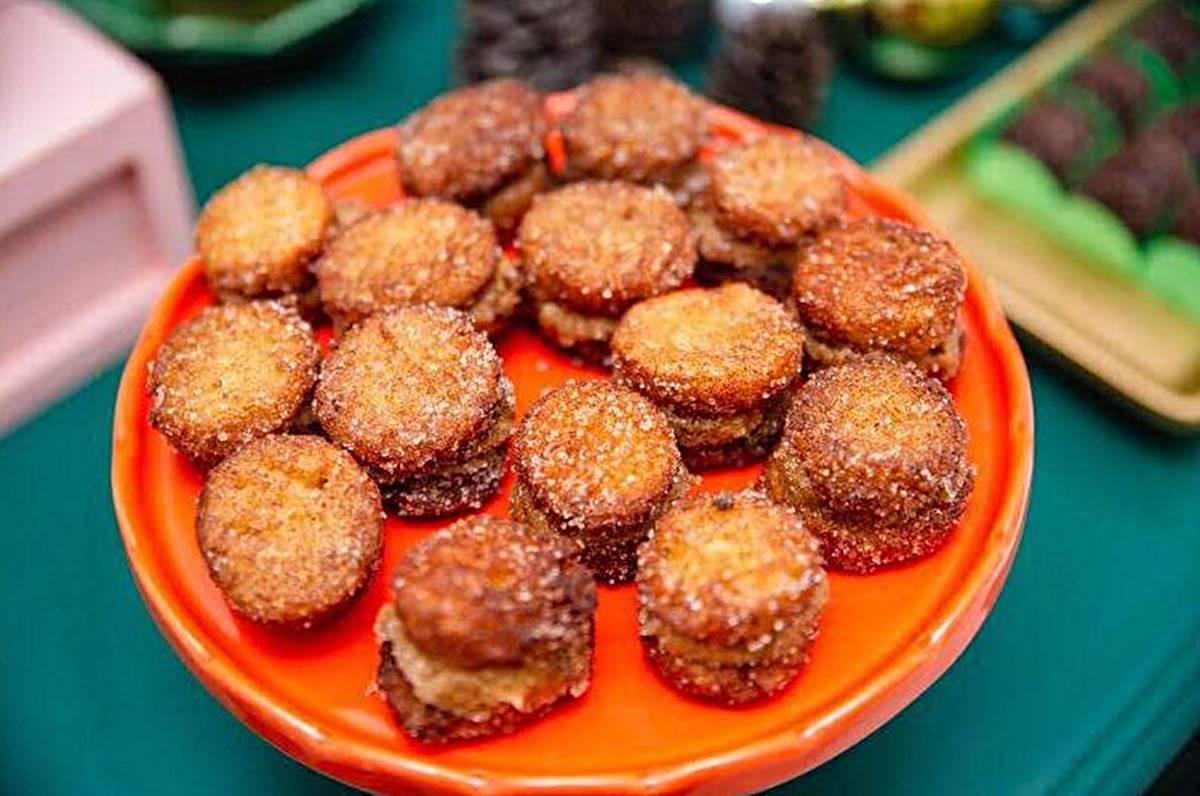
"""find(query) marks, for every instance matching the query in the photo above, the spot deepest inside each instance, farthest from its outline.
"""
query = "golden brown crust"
(874, 455)
(487, 591)
(231, 374)
(507, 206)
(257, 236)
(469, 142)
(875, 284)
(711, 352)
(731, 441)
(420, 251)
(776, 189)
(598, 247)
(410, 389)
(731, 588)
(594, 454)
(942, 362)
(715, 244)
(640, 127)
(585, 336)
(464, 484)
(291, 529)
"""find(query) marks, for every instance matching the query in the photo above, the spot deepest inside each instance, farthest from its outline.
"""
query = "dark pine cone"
(553, 44)
(662, 29)
(775, 65)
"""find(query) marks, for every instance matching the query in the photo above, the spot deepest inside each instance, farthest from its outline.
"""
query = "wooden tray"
(1135, 344)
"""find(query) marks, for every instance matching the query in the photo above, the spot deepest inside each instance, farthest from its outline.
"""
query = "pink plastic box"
(95, 207)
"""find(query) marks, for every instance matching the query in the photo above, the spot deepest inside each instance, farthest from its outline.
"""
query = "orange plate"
(883, 640)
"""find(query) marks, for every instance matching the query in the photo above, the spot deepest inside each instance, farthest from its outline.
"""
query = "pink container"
(95, 207)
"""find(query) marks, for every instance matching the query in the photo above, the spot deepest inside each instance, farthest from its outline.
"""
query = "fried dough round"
(470, 142)
(231, 374)
(776, 189)
(464, 484)
(258, 235)
(410, 390)
(874, 458)
(731, 589)
(597, 462)
(708, 351)
(875, 284)
(420, 251)
(639, 127)
(491, 624)
(598, 247)
(291, 529)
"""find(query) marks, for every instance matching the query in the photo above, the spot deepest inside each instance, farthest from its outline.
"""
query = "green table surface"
(1082, 680)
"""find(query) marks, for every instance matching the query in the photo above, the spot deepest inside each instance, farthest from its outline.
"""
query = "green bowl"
(214, 31)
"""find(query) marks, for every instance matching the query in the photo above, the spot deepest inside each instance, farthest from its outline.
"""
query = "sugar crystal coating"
(231, 374)
(874, 457)
(875, 284)
(409, 389)
(776, 189)
(291, 529)
(598, 247)
(469, 142)
(258, 234)
(639, 127)
(420, 251)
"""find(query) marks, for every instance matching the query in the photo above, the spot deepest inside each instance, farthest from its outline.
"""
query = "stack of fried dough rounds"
(491, 624)
(719, 363)
(640, 127)
(593, 249)
(480, 145)
(351, 365)
(878, 285)
(731, 588)
(598, 463)
(765, 198)
(420, 397)
(874, 458)
(422, 251)
(258, 235)
(291, 529)
(231, 374)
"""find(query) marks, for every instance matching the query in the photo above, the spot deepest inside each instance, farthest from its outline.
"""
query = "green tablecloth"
(1082, 679)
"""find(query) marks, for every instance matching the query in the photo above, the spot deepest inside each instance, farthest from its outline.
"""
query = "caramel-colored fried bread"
(640, 127)
(875, 284)
(594, 454)
(410, 389)
(710, 352)
(421, 251)
(598, 247)
(776, 189)
(731, 588)
(470, 142)
(874, 455)
(488, 592)
(229, 375)
(291, 529)
(258, 234)
(491, 625)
